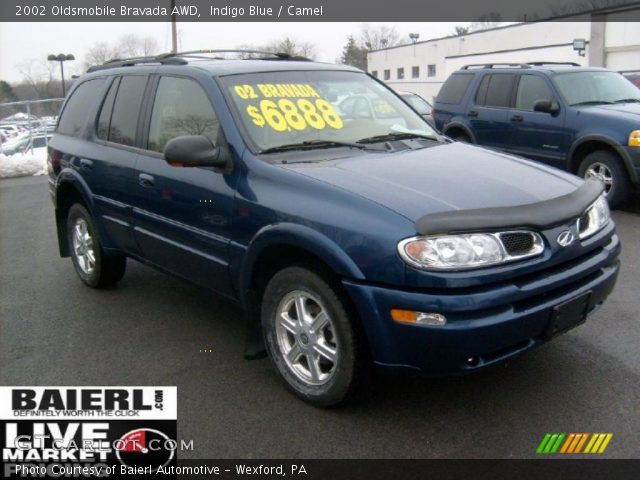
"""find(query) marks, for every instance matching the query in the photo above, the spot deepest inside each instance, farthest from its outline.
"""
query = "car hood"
(442, 178)
(616, 108)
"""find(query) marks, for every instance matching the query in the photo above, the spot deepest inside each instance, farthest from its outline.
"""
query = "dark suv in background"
(584, 120)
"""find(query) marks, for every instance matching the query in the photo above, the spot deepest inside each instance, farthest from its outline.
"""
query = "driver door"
(183, 217)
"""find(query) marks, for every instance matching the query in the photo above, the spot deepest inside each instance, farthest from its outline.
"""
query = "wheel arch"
(275, 247)
(591, 143)
(461, 127)
(70, 189)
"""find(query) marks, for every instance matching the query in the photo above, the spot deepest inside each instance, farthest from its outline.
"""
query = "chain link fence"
(27, 125)
(25, 130)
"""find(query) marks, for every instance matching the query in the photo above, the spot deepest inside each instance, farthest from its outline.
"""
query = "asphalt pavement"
(153, 329)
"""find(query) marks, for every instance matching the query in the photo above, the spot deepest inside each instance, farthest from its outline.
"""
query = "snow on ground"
(20, 165)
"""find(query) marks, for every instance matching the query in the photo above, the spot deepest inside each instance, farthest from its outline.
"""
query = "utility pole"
(174, 29)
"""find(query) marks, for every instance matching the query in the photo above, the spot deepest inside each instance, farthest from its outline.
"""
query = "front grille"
(518, 243)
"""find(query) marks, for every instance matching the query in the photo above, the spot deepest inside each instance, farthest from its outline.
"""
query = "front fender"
(294, 235)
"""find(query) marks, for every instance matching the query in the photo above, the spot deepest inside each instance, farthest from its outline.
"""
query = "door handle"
(517, 118)
(86, 163)
(145, 180)
(473, 113)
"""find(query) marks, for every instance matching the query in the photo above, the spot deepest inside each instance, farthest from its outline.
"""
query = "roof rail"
(540, 64)
(495, 65)
(199, 53)
(128, 62)
(175, 58)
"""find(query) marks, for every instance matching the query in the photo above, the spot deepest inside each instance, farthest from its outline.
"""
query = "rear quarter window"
(76, 111)
(455, 88)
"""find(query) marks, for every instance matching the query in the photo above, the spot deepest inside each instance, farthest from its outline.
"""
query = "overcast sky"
(21, 43)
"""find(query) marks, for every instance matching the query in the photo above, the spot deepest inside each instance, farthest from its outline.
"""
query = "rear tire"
(93, 266)
(314, 344)
(606, 167)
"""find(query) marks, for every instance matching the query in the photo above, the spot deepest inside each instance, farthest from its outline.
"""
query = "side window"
(530, 89)
(481, 94)
(498, 90)
(181, 107)
(454, 88)
(124, 119)
(76, 111)
(104, 119)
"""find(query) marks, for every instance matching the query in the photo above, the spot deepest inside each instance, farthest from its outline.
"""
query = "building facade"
(422, 67)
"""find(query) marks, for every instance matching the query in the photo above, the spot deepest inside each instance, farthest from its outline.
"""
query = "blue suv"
(584, 120)
(350, 233)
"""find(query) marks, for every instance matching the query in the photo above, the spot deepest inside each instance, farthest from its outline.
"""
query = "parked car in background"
(420, 105)
(633, 77)
(584, 120)
(350, 232)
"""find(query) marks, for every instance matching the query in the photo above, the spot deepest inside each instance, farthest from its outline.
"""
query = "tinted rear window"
(495, 90)
(75, 113)
(124, 120)
(104, 119)
(454, 88)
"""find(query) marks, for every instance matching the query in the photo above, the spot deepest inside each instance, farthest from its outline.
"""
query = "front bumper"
(485, 325)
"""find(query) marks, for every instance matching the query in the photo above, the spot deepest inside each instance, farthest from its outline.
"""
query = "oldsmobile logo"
(566, 238)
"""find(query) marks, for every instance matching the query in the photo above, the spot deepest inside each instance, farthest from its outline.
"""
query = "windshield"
(321, 108)
(583, 88)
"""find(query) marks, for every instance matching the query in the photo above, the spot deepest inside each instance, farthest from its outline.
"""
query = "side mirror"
(546, 106)
(193, 151)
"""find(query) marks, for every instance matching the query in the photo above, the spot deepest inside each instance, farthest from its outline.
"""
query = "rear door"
(183, 219)
(489, 110)
(112, 165)
(538, 135)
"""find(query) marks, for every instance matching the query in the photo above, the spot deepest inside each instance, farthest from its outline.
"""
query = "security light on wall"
(579, 45)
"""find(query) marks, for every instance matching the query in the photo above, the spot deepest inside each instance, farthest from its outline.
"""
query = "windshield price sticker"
(288, 107)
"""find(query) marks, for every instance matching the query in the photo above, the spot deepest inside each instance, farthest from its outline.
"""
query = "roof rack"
(176, 58)
(495, 65)
(200, 53)
(540, 64)
(516, 65)
(128, 62)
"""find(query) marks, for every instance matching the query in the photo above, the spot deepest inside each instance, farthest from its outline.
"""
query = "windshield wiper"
(395, 136)
(312, 144)
(592, 102)
(627, 100)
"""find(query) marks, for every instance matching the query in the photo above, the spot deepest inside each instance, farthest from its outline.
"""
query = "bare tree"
(459, 30)
(376, 38)
(287, 45)
(38, 76)
(132, 45)
(99, 53)
(487, 21)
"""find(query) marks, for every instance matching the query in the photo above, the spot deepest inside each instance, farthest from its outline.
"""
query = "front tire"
(93, 266)
(606, 167)
(314, 344)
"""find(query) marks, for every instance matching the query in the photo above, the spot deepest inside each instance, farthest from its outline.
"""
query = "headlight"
(594, 219)
(634, 138)
(451, 252)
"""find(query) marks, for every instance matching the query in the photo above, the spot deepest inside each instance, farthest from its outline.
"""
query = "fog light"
(422, 318)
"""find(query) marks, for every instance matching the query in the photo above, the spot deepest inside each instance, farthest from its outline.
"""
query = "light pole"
(61, 57)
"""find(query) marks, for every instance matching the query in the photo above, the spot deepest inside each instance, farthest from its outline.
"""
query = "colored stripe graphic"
(573, 443)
